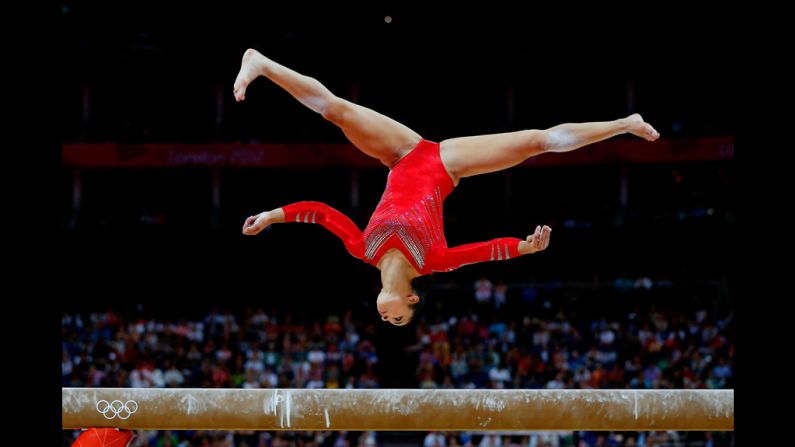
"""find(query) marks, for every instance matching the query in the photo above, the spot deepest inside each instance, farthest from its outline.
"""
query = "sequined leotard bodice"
(409, 215)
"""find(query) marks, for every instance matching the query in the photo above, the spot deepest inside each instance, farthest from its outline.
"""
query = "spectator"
(483, 290)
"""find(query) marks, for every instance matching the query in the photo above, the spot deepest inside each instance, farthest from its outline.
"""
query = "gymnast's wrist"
(276, 215)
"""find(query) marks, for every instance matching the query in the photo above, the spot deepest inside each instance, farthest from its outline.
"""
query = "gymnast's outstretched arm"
(311, 212)
(494, 250)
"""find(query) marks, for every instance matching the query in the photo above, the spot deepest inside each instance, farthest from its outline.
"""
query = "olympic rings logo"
(117, 409)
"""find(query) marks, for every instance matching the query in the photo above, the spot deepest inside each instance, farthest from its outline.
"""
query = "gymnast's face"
(394, 308)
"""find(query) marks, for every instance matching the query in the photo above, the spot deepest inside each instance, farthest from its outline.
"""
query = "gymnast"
(405, 236)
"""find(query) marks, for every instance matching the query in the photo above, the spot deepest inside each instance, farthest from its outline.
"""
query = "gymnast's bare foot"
(638, 127)
(250, 69)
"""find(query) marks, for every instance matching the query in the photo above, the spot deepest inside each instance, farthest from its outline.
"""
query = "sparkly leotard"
(408, 217)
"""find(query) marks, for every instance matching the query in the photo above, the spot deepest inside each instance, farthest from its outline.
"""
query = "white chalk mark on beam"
(289, 398)
(328, 423)
(189, 400)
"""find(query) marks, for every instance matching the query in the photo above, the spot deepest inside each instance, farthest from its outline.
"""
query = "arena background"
(641, 235)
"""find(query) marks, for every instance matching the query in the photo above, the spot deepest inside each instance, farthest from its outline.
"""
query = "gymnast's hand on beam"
(254, 224)
(535, 242)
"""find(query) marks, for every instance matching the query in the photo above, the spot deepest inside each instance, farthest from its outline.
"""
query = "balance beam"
(396, 409)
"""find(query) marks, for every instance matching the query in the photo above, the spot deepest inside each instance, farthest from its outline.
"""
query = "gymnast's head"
(401, 309)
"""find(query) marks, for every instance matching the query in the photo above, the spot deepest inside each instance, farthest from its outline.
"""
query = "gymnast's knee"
(336, 109)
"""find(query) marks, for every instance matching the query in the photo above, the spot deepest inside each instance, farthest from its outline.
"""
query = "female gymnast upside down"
(405, 236)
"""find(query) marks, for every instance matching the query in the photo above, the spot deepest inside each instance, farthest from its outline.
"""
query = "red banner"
(113, 155)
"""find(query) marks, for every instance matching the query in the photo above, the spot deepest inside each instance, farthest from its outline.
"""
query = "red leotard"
(408, 217)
